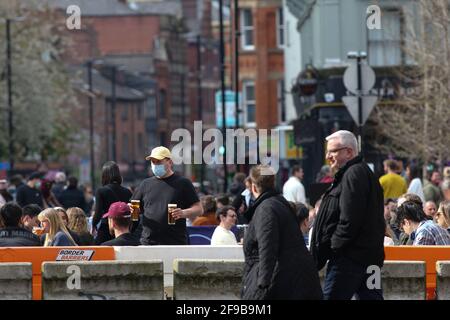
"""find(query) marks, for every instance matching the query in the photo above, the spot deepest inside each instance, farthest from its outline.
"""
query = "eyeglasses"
(335, 151)
(232, 216)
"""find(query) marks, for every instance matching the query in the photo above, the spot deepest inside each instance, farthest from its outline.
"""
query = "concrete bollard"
(443, 280)
(15, 281)
(210, 279)
(404, 280)
(103, 280)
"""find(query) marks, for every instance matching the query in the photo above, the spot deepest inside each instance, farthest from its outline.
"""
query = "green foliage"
(40, 84)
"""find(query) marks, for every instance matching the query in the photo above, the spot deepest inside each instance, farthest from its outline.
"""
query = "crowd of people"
(286, 240)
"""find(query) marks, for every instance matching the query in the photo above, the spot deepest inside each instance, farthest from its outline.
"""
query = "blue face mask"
(159, 170)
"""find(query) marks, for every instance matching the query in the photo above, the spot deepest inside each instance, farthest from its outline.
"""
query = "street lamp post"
(10, 108)
(91, 124)
(222, 77)
(113, 111)
(200, 103)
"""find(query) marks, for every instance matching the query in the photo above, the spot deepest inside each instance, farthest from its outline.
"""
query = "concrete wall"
(169, 253)
(404, 280)
(443, 280)
(212, 279)
(15, 281)
(103, 280)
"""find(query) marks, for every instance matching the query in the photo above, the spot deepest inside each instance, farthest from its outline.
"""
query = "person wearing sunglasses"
(443, 215)
(349, 228)
(423, 232)
(222, 234)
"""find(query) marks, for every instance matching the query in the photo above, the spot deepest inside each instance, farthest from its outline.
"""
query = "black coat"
(277, 263)
(350, 220)
(72, 197)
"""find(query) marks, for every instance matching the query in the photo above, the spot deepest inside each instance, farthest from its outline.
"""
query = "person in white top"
(222, 234)
(415, 185)
(293, 189)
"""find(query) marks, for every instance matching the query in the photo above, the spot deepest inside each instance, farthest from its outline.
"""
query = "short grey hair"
(445, 185)
(60, 177)
(346, 139)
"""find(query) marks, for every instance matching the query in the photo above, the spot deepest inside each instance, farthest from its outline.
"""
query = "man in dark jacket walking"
(349, 228)
(277, 263)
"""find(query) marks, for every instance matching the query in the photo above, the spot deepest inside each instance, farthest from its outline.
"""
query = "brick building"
(261, 62)
(147, 40)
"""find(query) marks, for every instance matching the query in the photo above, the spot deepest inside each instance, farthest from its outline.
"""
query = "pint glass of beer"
(170, 208)
(38, 231)
(136, 204)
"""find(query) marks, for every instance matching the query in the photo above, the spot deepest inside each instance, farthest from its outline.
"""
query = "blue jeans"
(346, 278)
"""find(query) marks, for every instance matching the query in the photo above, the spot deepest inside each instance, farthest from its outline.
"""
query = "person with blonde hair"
(443, 215)
(56, 233)
(78, 224)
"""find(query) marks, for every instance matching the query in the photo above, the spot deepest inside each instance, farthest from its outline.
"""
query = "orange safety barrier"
(429, 254)
(38, 255)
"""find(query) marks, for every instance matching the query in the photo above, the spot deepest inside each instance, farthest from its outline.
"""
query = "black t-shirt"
(26, 195)
(155, 194)
(126, 239)
(18, 237)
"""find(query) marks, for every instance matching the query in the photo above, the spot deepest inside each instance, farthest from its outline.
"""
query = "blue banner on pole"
(5, 166)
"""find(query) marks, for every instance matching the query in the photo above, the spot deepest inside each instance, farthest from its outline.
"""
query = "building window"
(247, 29)
(280, 28)
(124, 112)
(385, 44)
(162, 103)
(281, 99)
(150, 108)
(125, 152)
(140, 142)
(249, 102)
(162, 138)
(139, 111)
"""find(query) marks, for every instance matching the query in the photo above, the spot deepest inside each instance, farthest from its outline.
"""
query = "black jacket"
(350, 220)
(72, 197)
(18, 237)
(277, 263)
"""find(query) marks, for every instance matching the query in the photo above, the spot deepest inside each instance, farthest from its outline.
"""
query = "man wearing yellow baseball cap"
(156, 193)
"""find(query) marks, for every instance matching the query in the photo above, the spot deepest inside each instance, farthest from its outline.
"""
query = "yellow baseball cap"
(159, 153)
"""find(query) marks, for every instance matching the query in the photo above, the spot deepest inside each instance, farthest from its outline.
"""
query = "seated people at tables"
(222, 234)
(11, 234)
(119, 222)
(29, 217)
(423, 232)
(54, 229)
(208, 218)
(78, 225)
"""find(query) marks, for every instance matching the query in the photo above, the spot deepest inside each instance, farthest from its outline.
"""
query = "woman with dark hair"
(110, 192)
(415, 182)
